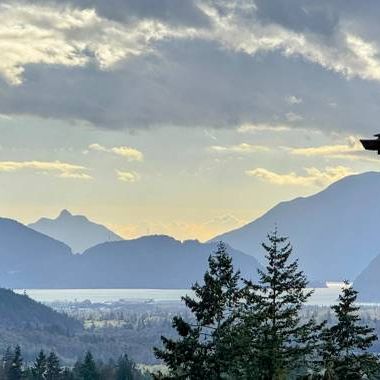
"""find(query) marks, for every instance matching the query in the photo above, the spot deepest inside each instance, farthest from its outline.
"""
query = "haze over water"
(321, 296)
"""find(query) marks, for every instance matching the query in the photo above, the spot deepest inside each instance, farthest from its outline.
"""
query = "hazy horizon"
(188, 189)
(186, 120)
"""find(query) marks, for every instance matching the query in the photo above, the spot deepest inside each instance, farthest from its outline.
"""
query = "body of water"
(104, 295)
(321, 296)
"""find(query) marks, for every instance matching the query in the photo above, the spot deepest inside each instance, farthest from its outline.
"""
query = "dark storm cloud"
(192, 83)
(197, 84)
(224, 76)
(175, 12)
(321, 17)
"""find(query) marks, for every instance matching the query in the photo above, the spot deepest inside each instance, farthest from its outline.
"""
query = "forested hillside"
(19, 311)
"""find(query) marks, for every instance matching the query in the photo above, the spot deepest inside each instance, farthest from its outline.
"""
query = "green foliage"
(49, 368)
(67, 374)
(254, 331)
(125, 368)
(88, 370)
(202, 350)
(7, 362)
(279, 343)
(15, 369)
(16, 309)
(345, 344)
(39, 368)
(53, 367)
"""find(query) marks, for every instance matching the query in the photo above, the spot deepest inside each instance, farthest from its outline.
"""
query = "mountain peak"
(65, 213)
(334, 232)
(76, 231)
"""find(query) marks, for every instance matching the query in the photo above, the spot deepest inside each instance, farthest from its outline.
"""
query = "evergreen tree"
(346, 342)
(76, 371)
(278, 344)
(7, 361)
(53, 367)
(88, 370)
(49, 368)
(203, 348)
(67, 374)
(15, 369)
(39, 367)
(125, 368)
(107, 371)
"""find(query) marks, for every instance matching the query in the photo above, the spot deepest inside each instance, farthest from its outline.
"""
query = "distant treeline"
(48, 367)
(257, 330)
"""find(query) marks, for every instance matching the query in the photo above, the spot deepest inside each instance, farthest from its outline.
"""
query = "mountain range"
(334, 233)
(33, 260)
(29, 257)
(367, 283)
(150, 262)
(76, 231)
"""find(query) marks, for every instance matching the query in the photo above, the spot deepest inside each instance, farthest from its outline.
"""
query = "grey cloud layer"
(143, 63)
(175, 12)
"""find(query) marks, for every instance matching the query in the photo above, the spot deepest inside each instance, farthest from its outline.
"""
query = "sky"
(187, 118)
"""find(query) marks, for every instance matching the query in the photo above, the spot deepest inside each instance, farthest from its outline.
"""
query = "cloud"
(347, 53)
(303, 17)
(252, 128)
(353, 151)
(131, 154)
(59, 169)
(69, 36)
(293, 117)
(126, 176)
(313, 176)
(63, 35)
(293, 99)
(173, 12)
(36, 35)
(325, 150)
(242, 148)
(207, 63)
(208, 134)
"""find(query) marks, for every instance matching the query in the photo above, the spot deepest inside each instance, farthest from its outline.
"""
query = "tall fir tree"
(345, 343)
(203, 348)
(88, 370)
(67, 374)
(53, 367)
(39, 367)
(278, 343)
(7, 361)
(125, 368)
(15, 369)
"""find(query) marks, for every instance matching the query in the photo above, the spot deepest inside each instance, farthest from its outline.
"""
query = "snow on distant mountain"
(76, 231)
